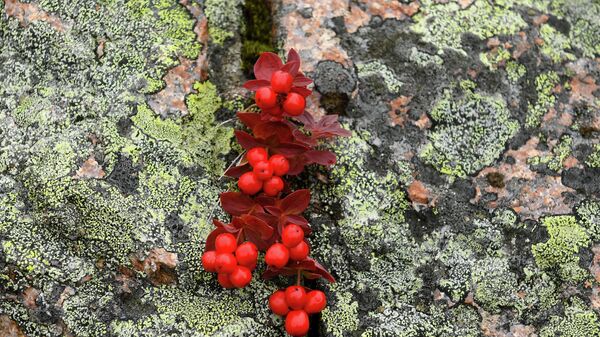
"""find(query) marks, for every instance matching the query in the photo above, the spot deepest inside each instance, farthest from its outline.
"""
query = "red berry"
(263, 170)
(294, 104)
(249, 183)
(273, 186)
(280, 164)
(281, 81)
(275, 111)
(225, 263)
(246, 254)
(224, 281)
(295, 296)
(299, 252)
(257, 154)
(315, 302)
(209, 261)
(265, 98)
(278, 304)
(240, 277)
(225, 243)
(277, 255)
(296, 323)
(292, 235)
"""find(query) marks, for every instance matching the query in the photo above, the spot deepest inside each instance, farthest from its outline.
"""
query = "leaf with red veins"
(299, 136)
(254, 229)
(265, 130)
(236, 203)
(291, 68)
(266, 65)
(302, 91)
(237, 171)
(254, 85)
(309, 268)
(246, 140)
(289, 149)
(296, 202)
(301, 81)
(326, 158)
(210, 240)
(293, 56)
(249, 119)
(327, 127)
(289, 209)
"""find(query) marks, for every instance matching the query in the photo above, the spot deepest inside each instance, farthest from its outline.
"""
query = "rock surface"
(466, 203)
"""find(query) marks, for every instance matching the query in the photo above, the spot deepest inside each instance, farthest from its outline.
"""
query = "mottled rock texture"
(466, 203)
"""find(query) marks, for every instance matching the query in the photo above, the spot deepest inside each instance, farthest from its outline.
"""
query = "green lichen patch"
(443, 24)
(588, 212)
(560, 152)
(544, 85)
(555, 44)
(560, 252)
(576, 322)
(471, 134)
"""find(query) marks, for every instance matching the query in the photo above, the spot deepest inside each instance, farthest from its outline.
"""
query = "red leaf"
(236, 203)
(290, 149)
(326, 158)
(293, 56)
(266, 65)
(301, 81)
(302, 91)
(319, 269)
(273, 210)
(237, 171)
(296, 202)
(265, 130)
(291, 67)
(254, 85)
(257, 225)
(246, 140)
(249, 119)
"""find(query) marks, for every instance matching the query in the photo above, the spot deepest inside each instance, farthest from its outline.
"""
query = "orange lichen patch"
(9, 328)
(356, 18)
(521, 46)
(391, 9)
(90, 169)
(582, 89)
(570, 162)
(30, 295)
(398, 112)
(309, 36)
(423, 122)
(493, 326)
(26, 13)
(538, 20)
(417, 192)
(541, 195)
(180, 79)
(159, 266)
(465, 3)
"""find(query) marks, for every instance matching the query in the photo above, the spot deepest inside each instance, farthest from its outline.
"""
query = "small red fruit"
(249, 183)
(274, 111)
(281, 81)
(265, 98)
(277, 255)
(315, 302)
(225, 263)
(294, 104)
(257, 154)
(224, 281)
(273, 186)
(208, 261)
(240, 277)
(295, 296)
(263, 170)
(246, 254)
(278, 304)
(280, 164)
(296, 323)
(292, 235)
(300, 251)
(225, 243)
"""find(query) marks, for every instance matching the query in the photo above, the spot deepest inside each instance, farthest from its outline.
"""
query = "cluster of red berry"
(266, 173)
(266, 216)
(295, 304)
(234, 264)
